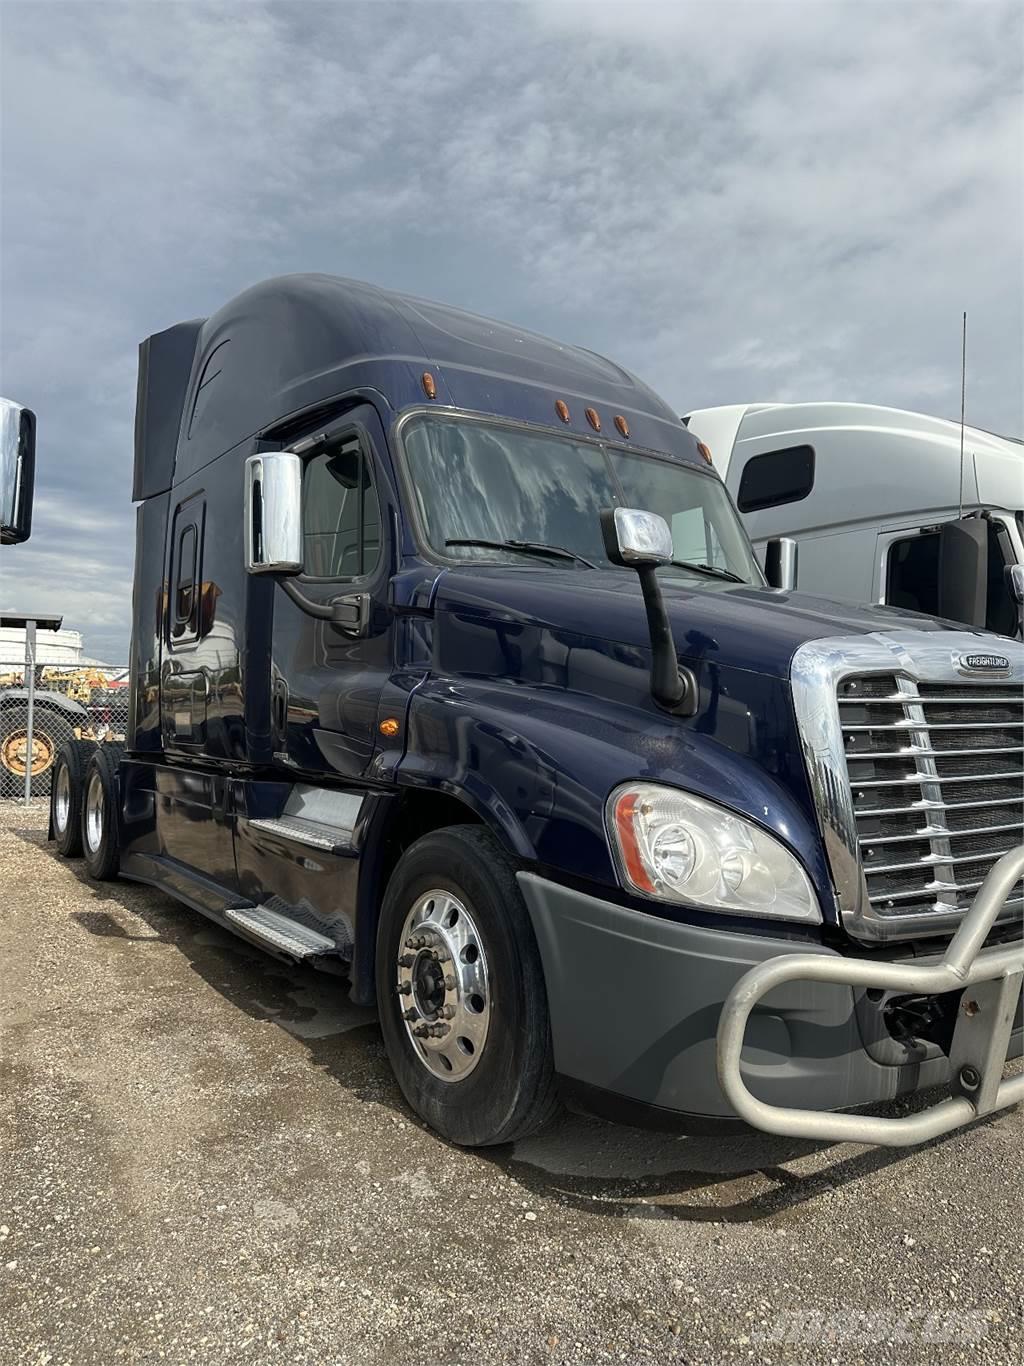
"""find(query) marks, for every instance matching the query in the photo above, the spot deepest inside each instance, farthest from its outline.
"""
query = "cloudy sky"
(737, 201)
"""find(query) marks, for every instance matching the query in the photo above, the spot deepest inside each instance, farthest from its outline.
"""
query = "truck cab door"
(326, 680)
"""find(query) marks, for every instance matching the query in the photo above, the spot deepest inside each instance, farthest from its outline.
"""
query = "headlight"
(680, 848)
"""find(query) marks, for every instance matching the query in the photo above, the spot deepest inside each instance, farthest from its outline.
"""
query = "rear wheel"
(66, 793)
(100, 826)
(461, 991)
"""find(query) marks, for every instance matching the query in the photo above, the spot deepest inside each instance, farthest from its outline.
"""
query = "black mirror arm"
(673, 688)
(346, 614)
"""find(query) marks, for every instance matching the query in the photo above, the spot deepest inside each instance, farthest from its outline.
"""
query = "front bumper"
(636, 1000)
(991, 979)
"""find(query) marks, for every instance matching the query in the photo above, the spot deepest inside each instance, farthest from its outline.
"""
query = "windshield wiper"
(709, 569)
(554, 552)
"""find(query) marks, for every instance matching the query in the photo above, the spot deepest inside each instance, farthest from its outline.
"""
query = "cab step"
(279, 932)
(300, 830)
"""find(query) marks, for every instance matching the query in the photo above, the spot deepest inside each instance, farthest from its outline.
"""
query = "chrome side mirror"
(633, 537)
(642, 541)
(273, 513)
(780, 562)
(17, 471)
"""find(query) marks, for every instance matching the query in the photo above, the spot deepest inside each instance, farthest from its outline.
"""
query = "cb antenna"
(963, 404)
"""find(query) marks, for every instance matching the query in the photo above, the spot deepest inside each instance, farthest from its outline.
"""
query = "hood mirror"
(17, 471)
(642, 541)
(780, 563)
(638, 537)
(273, 513)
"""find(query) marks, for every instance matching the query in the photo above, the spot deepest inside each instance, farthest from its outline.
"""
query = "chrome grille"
(936, 773)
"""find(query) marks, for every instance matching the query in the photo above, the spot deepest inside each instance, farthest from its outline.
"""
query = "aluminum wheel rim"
(443, 985)
(94, 813)
(62, 799)
(14, 755)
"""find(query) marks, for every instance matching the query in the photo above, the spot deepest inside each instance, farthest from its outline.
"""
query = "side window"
(340, 514)
(776, 477)
(184, 608)
(912, 573)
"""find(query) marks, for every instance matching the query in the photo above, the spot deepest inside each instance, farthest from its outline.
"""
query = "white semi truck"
(877, 505)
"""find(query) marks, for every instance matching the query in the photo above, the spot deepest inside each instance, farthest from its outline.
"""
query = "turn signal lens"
(705, 451)
(592, 417)
(621, 425)
(680, 848)
(429, 386)
(562, 409)
(389, 727)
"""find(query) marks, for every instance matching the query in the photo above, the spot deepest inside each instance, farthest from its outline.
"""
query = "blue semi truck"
(453, 673)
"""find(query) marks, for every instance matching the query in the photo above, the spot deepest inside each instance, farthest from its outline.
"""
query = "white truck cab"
(863, 491)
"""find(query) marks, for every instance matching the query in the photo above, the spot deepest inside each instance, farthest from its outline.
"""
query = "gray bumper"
(635, 1003)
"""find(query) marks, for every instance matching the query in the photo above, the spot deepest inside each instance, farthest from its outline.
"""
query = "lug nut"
(450, 983)
(411, 1014)
(406, 960)
(448, 1012)
(404, 988)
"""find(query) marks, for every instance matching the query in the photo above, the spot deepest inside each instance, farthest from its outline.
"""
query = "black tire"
(66, 815)
(101, 845)
(50, 729)
(510, 1091)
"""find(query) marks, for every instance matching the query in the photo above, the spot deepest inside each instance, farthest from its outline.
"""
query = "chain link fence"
(54, 702)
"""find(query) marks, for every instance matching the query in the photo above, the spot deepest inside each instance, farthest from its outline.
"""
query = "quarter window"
(776, 477)
(341, 514)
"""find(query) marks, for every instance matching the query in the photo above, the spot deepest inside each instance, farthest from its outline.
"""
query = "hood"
(757, 629)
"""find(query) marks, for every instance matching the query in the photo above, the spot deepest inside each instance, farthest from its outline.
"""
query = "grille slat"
(927, 834)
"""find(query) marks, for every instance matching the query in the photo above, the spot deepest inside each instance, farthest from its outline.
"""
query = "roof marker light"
(592, 417)
(562, 409)
(622, 426)
(705, 452)
(429, 387)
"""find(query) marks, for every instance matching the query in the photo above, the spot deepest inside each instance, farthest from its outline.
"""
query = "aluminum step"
(300, 830)
(280, 932)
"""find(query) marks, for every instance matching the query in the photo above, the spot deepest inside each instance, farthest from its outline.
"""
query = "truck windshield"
(476, 482)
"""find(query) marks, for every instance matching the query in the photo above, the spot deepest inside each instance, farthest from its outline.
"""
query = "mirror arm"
(672, 687)
(346, 614)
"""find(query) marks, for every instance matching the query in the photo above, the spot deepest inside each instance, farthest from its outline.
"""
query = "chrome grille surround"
(917, 663)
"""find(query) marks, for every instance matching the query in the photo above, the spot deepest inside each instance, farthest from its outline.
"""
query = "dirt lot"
(203, 1157)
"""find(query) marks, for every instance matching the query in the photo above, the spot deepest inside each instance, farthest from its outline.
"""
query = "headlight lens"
(681, 848)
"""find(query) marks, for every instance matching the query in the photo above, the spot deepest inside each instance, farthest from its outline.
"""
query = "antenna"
(963, 404)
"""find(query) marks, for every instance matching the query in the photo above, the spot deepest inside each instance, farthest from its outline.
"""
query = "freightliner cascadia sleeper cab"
(424, 694)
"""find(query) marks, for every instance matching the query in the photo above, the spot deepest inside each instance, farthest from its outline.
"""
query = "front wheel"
(461, 991)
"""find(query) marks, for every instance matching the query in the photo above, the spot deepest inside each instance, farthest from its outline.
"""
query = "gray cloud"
(736, 201)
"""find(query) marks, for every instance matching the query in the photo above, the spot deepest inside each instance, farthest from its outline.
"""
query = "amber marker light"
(429, 387)
(389, 727)
(625, 814)
(705, 452)
(592, 417)
(621, 425)
(562, 409)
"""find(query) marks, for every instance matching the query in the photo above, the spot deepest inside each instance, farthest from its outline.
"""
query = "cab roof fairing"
(293, 343)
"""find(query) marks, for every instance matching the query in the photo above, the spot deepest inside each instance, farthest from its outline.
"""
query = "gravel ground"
(203, 1157)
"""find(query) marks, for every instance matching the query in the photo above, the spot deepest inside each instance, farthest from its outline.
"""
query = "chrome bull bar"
(980, 1039)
